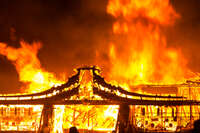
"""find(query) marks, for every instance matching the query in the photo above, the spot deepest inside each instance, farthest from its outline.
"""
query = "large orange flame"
(139, 52)
(28, 66)
(36, 79)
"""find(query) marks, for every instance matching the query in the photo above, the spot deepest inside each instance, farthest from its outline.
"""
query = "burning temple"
(148, 51)
(89, 103)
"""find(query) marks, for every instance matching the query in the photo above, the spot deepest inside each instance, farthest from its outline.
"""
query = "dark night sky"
(71, 30)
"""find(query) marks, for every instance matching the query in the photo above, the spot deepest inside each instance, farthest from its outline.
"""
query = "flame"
(36, 79)
(28, 66)
(58, 124)
(140, 53)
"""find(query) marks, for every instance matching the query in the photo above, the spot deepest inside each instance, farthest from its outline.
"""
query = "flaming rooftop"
(150, 84)
(96, 91)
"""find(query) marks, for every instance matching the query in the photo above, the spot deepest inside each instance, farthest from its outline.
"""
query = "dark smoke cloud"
(71, 32)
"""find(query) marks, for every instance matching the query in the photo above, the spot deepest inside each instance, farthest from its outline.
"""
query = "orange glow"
(142, 55)
(160, 12)
(28, 66)
(139, 55)
(36, 79)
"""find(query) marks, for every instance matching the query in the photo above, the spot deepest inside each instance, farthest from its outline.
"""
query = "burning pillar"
(123, 118)
(46, 119)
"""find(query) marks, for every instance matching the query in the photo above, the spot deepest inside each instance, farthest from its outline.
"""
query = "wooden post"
(46, 119)
(123, 117)
(190, 95)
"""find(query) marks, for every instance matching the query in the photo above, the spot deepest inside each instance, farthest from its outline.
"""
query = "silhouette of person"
(73, 130)
(196, 127)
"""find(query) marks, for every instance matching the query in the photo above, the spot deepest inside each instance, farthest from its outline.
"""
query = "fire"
(58, 120)
(154, 10)
(36, 79)
(28, 66)
(140, 53)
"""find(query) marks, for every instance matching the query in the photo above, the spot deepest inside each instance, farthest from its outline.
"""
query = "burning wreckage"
(99, 106)
(157, 98)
